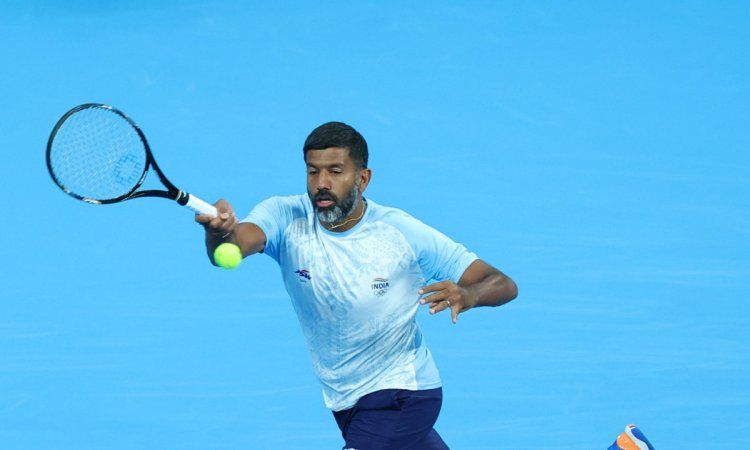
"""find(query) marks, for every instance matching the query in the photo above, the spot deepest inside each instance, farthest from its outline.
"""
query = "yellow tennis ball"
(228, 255)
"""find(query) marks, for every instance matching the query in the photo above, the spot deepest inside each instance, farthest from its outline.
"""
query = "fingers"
(439, 286)
(442, 305)
(443, 295)
(223, 223)
(438, 294)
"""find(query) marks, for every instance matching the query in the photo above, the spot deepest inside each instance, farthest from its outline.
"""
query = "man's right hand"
(222, 226)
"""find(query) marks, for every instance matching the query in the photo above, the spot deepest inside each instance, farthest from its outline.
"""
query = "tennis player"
(357, 272)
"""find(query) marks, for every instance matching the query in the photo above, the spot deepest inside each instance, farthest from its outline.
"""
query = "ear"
(364, 179)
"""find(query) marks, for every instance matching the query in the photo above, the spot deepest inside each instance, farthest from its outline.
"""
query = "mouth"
(324, 200)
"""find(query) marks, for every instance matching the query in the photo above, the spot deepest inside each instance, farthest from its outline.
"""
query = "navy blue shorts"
(393, 419)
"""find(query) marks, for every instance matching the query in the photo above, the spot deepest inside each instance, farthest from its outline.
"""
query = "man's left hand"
(447, 295)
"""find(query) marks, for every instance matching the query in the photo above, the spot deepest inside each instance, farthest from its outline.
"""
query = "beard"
(340, 210)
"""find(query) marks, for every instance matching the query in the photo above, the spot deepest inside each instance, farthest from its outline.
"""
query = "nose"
(323, 181)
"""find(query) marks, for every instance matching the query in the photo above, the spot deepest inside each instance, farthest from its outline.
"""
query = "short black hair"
(338, 134)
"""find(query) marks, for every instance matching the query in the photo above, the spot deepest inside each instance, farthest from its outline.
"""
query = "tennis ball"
(228, 255)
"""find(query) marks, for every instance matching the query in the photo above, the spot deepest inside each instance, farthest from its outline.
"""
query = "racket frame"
(172, 192)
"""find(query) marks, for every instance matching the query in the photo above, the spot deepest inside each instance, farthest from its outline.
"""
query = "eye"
(311, 171)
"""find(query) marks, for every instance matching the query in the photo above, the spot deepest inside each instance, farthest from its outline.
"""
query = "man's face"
(333, 183)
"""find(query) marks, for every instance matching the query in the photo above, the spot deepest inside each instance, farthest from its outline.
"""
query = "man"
(356, 273)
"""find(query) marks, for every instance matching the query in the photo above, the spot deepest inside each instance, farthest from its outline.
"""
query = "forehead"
(329, 157)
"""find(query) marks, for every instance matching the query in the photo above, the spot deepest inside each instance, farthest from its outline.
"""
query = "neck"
(351, 221)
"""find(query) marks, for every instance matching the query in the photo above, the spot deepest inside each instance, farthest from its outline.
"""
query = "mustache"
(325, 195)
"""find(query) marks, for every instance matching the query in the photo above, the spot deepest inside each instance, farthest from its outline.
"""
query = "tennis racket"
(98, 155)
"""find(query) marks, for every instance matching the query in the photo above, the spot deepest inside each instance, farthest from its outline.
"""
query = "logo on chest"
(304, 275)
(380, 286)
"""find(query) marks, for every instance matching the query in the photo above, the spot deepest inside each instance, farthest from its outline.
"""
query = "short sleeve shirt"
(355, 293)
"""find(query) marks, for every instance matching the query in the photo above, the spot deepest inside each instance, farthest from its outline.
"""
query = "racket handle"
(199, 206)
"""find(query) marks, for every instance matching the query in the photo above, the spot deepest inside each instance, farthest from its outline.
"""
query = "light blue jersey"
(355, 293)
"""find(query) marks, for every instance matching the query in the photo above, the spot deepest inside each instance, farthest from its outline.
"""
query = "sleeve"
(273, 216)
(439, 257)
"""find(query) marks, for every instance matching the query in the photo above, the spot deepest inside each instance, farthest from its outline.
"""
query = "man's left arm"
(480, 285)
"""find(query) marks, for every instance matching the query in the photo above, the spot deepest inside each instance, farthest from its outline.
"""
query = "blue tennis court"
(595, 152)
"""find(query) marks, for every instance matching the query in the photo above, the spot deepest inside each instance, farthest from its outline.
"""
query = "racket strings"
(98, 155)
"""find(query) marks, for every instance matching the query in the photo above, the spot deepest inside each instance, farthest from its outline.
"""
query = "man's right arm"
(225, 228)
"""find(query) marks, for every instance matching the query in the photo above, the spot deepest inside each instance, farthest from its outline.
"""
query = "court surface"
(597, 152)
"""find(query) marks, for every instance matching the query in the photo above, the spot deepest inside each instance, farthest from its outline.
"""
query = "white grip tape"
(200, 206)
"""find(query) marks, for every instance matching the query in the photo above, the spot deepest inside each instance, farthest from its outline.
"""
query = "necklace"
(364, 206)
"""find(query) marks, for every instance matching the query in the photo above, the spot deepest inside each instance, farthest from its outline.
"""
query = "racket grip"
(199, 206)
